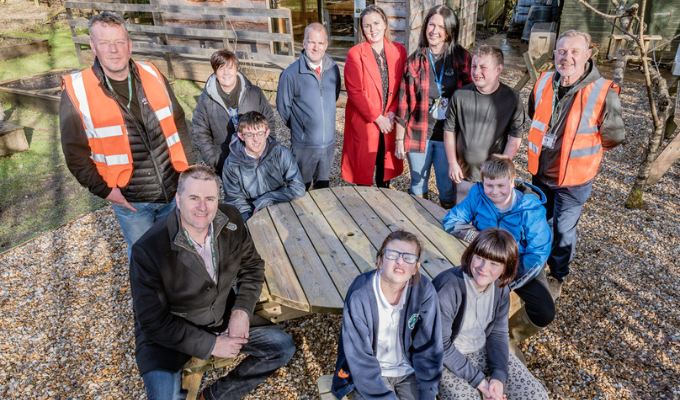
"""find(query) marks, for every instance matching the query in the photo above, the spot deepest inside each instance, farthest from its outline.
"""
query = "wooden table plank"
(319, 288)
(428, 225)
(437, 212)
(371, 225)
(358, 246)
(432, 260)
(338, 263)
(282, 282)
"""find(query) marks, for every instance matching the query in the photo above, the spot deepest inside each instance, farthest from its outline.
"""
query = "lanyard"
(439, 79)
(556, 102)
(212, 246)
(108, 83)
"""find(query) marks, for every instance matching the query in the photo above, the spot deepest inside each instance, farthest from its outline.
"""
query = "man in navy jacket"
(305, 99)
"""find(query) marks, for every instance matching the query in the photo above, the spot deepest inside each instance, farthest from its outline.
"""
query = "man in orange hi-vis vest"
(123, 132)
(576, 114)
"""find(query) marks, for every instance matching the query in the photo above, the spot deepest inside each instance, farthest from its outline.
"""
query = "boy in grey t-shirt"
(483, 118)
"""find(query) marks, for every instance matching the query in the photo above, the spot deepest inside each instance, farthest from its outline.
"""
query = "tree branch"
(662, 45)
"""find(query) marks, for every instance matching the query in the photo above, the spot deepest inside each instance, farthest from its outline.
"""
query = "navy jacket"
(307, 104)
(525, 221)
(450, 286)
(420, 330)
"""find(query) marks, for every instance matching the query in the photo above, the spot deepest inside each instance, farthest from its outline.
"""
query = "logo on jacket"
(343, 374)
(231, 226)
(413, 321)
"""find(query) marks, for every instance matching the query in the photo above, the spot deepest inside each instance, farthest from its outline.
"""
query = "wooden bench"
(194, 369)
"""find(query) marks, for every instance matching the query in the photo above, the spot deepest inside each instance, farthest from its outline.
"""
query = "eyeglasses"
(251, 135)
(394, 255)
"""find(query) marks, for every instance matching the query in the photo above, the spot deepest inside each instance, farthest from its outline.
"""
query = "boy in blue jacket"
(500, 202)
(391, 346)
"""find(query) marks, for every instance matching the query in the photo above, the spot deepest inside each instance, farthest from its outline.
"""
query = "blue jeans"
(420, 164)
(268, 349)
(135, 224)
(563, 211)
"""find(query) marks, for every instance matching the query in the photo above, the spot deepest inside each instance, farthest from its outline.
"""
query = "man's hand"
(496, 389)
(117, 198)
(228, 347)
(455, 173)
(239, 324)
(384, 124)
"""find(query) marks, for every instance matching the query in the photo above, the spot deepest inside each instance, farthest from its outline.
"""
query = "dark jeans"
(268, 349)
(563, 211)
(405, 387)
(538, 303)
(380, 165)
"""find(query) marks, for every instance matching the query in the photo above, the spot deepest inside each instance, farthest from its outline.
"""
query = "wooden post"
(158, 20)
(69, 15)
(225, 40)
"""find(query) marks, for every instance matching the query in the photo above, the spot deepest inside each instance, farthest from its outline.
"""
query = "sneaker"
(555, 287)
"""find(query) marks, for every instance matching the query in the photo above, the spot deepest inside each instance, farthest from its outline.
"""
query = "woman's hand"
(384, 123)
(496, 390)
(399, 149)
(391, 116)
(483, 388)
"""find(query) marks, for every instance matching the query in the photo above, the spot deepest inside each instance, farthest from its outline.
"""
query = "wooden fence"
(172, 40)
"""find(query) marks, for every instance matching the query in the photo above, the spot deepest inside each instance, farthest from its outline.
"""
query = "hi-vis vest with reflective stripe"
(581, 151)
(104, 122)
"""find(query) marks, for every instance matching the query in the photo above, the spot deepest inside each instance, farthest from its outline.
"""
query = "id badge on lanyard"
(438, 109)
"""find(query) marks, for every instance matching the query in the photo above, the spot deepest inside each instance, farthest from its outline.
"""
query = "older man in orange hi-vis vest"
(576, 114)
(123, 132)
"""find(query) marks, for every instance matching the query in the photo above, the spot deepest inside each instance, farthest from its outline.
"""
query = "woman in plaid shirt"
(433, 72)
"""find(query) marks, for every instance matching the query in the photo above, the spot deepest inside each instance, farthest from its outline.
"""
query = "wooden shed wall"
(396, 15)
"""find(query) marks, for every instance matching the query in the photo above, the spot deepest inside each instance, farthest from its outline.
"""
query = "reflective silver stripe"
(107, 131)
(150, 70)
(538, 125)
(174, 138)
(532, 147)
(587, 112)
(164, 113)
(588, 151)
(541, 85)
(115, 159)
(83, 106)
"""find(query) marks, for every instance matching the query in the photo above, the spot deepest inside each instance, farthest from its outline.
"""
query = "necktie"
(318, 71)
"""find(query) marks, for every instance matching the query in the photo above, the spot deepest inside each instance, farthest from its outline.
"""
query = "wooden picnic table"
(315, 246)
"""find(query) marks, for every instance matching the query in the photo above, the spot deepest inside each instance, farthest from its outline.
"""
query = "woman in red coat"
(373, 72)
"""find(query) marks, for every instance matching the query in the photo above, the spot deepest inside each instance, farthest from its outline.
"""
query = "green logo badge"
(413, 320)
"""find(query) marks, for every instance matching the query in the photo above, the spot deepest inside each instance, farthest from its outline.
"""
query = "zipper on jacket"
(323, 116)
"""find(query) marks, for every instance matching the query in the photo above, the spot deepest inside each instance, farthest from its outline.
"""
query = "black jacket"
(178, 307)
(154, 180)
(212, 127)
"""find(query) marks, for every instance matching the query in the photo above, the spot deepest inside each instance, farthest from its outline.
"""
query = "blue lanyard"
(439, 79)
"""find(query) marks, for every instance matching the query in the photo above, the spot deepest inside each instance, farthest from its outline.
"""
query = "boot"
(555, 287)
(425, 195)
(520, 329)
(445, 205)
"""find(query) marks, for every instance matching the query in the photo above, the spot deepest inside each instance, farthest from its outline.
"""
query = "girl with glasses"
(390, 345)
(475, 301)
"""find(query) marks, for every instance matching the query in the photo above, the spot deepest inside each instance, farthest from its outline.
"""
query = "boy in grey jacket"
(259, 170)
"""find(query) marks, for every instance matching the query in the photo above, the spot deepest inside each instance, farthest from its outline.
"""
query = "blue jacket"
(307, 104)
(357, 366)
(525, 221)
(450, 286)
(252, 184)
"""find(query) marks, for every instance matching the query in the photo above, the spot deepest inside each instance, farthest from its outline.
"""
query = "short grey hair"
(201, 173)
(107, 17)
(575, 33)
(315, 26)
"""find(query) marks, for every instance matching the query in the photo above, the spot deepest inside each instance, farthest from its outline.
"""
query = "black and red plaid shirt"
(414, 94)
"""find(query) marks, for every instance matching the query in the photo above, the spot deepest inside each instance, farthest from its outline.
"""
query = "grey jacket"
(252, 184)
(212, 126)
(450, 286)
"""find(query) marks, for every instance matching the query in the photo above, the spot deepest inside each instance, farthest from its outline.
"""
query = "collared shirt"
(313, 66)
(390, 352)
(478, 315)
(205, 250)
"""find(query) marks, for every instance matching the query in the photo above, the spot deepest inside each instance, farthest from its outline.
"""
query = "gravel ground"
(67, 313)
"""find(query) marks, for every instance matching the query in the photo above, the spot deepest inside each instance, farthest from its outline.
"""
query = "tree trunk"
(635, 197)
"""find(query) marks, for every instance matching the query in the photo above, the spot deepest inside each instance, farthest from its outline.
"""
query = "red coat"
(364, 105)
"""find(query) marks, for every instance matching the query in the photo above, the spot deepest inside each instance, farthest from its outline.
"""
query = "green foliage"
(634, 199)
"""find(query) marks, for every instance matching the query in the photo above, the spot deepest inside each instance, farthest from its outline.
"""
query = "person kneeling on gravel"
(182, 275)
(259, 171)
(500, 202)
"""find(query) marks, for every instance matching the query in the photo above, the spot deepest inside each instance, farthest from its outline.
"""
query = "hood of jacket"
(237, 149)
(211, 89)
